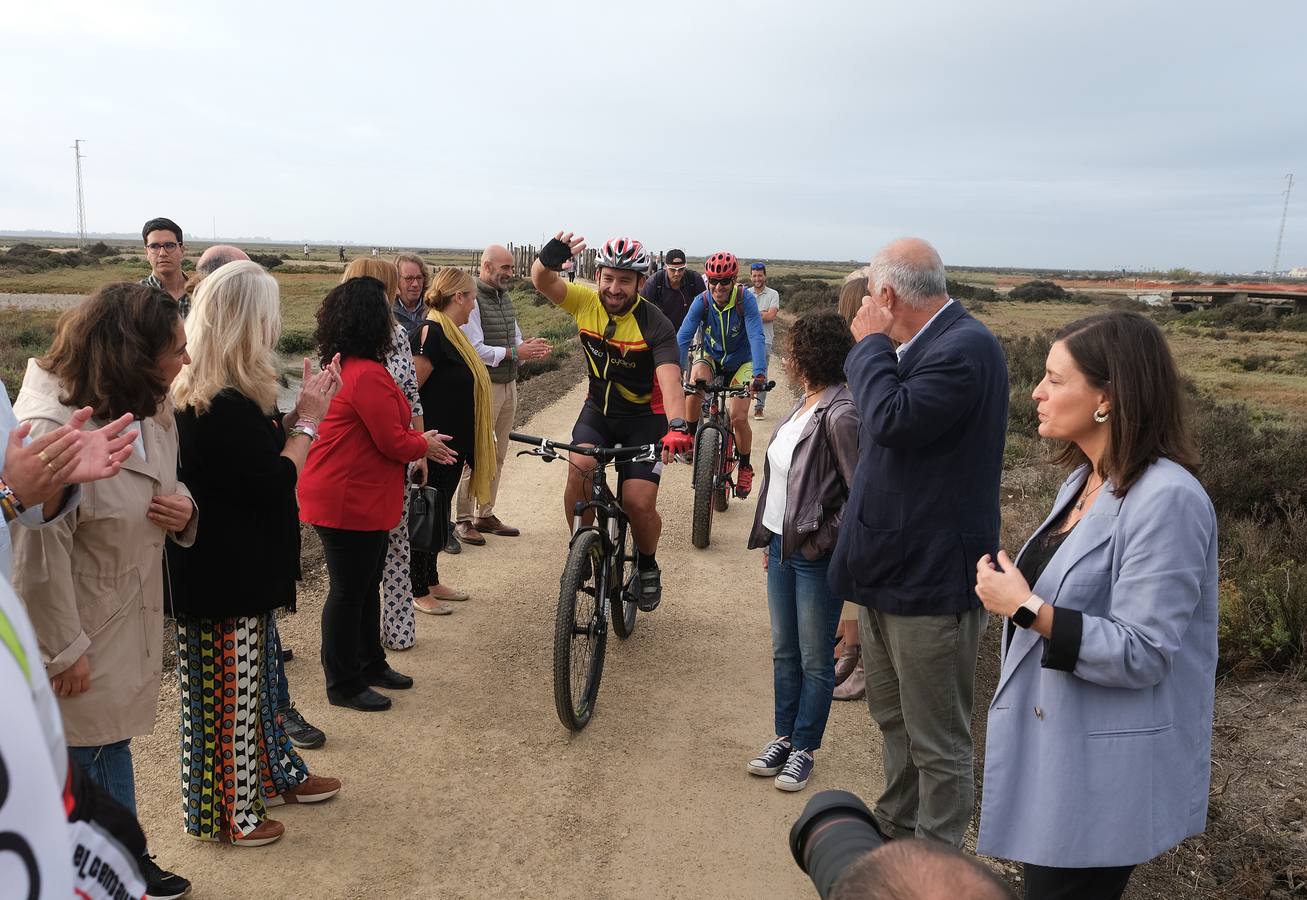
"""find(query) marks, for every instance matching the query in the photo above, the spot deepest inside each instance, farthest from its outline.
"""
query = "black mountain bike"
(599, 578)
(715, 456)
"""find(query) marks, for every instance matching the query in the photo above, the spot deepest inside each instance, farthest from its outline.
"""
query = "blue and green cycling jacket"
(732, 335)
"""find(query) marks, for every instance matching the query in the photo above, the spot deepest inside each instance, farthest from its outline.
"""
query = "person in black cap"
(674, 287)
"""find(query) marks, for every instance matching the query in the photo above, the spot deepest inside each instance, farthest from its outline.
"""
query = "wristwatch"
(678, 425)
(1025, 614)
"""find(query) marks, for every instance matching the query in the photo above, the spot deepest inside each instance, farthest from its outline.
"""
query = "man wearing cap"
(769, 305)
(673, 289)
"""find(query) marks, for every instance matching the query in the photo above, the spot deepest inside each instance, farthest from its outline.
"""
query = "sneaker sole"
(791, 785)
(280, 799)
(243, 842)
(306, 745)
(167, 895)
(769, 772)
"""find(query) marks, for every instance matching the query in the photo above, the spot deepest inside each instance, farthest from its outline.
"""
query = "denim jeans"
(110, 766)
(280, 690)
(803, 620)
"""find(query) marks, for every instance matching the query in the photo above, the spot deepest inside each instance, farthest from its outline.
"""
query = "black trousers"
(351, 617)
(423, 571)
(1048, 883)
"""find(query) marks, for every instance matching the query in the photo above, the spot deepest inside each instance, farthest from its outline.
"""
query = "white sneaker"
(797, 771)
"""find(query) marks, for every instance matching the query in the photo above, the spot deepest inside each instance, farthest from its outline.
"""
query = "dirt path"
(40, 301)
(470, 787)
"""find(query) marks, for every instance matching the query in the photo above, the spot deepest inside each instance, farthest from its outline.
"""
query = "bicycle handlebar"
(718, 387)
(544, 446)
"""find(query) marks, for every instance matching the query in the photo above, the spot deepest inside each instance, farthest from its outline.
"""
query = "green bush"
(269, 261)
(297, 341)
(1263, 611)
(1295, 322)
(959, 290)
(1037, 291)
(800, 295)
(1241, 316)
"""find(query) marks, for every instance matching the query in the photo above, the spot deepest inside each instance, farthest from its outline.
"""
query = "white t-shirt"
(779, 455)
(767, 299)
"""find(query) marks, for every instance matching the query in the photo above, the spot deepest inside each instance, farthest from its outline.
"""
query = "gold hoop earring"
(1100, 417)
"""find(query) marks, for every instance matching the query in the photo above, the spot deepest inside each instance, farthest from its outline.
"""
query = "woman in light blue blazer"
(1098, 753)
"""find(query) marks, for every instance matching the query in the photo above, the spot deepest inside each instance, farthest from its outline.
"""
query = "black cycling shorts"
(593, 427)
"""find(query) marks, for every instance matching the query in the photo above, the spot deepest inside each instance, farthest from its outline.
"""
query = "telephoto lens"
(835, 829)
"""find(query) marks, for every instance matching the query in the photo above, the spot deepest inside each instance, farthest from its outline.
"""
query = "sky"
(1035, 133)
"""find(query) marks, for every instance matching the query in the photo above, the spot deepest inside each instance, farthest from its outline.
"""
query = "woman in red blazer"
(351, 489)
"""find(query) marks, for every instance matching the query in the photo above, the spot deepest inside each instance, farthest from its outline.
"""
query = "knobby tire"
(706, 465)
(621, 588)
(576, 675)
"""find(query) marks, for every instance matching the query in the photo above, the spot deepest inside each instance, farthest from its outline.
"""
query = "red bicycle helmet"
(722, 265)
(623, 253)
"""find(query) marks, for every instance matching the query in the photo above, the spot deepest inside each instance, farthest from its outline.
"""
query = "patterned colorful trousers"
(398, 630)
(234, 753)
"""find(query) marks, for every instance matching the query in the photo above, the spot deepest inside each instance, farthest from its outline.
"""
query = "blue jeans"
(803, 620)
(110, 766)
(280, 690)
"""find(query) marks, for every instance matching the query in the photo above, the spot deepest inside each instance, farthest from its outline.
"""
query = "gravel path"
(470, 787)
(40, 301)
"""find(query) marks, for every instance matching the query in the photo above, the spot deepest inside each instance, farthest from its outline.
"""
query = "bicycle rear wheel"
(580, 632)
(706, 465)
(721, 497)
(621, 587)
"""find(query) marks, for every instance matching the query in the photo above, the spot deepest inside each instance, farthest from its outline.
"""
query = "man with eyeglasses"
(164, 251)
(635, 394)
(769, 306)
(410, 311)
(673, 288)
(733, 349)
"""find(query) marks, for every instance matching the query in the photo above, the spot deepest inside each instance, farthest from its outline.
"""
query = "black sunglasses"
(610, 329)
(717, 282)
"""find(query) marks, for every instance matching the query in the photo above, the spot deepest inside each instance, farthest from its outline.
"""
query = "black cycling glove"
(554, 254)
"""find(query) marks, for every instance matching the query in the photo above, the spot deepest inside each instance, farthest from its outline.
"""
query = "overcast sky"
(1009, 132)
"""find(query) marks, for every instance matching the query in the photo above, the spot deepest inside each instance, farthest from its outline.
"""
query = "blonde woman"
(242, 461)
(397, 625)
(455, 388)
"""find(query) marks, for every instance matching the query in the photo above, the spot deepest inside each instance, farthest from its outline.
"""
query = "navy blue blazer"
(924, 501)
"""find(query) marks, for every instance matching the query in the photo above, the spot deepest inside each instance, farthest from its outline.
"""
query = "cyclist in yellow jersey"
(635, 394)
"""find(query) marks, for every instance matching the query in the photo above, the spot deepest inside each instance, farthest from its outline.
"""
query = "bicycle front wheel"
(706, 457)
(722, 496)
(580, 632)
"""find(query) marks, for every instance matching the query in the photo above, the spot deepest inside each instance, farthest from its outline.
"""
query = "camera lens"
(835, 829)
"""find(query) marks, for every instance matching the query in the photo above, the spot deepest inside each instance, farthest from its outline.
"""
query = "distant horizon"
(192, 238)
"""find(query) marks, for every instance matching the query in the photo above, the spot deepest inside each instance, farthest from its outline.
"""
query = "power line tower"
(81, 203)
(1275, 267)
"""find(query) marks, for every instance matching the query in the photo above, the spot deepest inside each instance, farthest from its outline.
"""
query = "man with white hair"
(922, 509)
(497, 339)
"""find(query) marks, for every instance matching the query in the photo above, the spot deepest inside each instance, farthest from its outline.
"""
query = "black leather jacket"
(820, 474)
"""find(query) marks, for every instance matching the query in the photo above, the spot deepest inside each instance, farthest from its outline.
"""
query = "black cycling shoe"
(649, 589)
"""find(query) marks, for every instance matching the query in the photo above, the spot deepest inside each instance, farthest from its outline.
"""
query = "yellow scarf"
(483, 472)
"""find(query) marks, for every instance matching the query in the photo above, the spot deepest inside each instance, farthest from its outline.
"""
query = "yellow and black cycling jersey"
(622, 352)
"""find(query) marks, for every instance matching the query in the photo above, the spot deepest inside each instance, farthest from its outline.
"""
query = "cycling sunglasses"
(718, 282)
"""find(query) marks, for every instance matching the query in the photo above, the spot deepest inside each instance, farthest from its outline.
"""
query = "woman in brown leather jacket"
(810, 462)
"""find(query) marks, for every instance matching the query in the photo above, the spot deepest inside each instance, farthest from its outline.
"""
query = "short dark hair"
(1125, 355)
(354, 321)
(819, 343)
(106, 350)
(161, 224)
(918, 869)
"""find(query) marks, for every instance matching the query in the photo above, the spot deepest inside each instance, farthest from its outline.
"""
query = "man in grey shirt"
(769, 305)
(410, 310)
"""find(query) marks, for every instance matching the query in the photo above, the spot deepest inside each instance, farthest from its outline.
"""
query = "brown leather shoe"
(467, 534)
(492, 525)
(313, 789)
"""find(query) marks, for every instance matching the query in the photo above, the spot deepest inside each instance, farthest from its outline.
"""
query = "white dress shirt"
(491, 356)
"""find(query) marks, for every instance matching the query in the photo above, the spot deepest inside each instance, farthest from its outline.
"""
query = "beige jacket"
(93, 582)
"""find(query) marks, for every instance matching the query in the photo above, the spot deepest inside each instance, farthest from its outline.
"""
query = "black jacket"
(245, 559)
(924, 502)
(674, 304)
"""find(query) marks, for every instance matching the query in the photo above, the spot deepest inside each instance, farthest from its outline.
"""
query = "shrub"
(1038, 290)
(267, 260)
(1263, 610)
(1026, 357)
(23, 333)
(960, 290)
(1240, 316)
(1248, 465)
(99, 250)
(800, 295)
(1295, 322)
(297, 341)
(1255, 361)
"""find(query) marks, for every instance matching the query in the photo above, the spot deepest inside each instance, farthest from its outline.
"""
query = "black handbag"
(428, 525)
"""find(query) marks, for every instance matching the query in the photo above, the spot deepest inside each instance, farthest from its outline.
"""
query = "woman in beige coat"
(93, 582)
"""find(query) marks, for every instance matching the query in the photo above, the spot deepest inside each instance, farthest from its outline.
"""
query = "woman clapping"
(242, 459)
